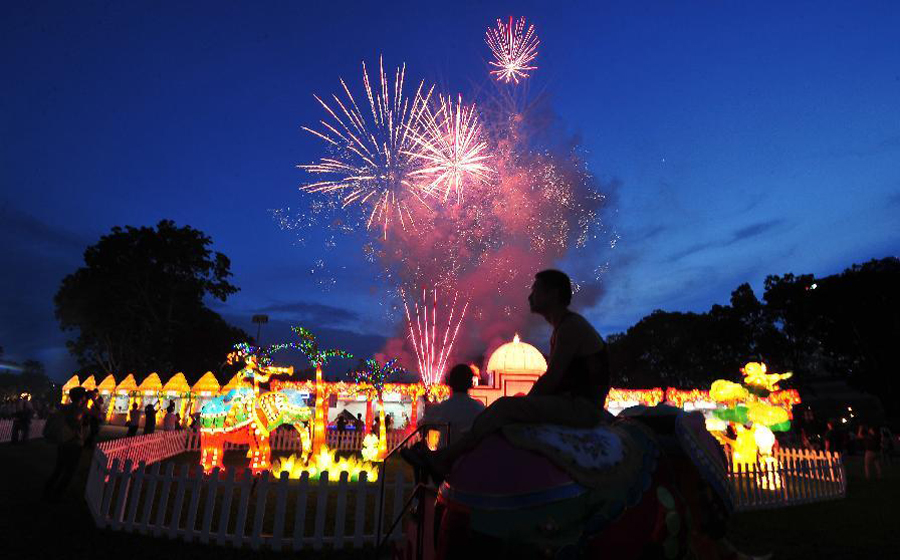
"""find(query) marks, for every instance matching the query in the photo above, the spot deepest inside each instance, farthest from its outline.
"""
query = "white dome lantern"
(517, 357)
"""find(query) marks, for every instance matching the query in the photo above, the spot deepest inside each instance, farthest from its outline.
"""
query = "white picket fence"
(36, 430)
(798, 476)
(278, 514)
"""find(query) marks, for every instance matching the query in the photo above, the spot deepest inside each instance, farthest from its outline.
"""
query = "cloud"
(741, 234)
(19, 227)
(312, 312)
(36, 257)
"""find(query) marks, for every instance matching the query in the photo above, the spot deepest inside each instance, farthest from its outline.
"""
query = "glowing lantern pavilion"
(512, 369)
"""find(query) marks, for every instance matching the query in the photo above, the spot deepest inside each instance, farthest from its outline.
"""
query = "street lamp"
(260, 320)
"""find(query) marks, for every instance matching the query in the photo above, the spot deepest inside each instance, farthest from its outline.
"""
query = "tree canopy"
(137, 305)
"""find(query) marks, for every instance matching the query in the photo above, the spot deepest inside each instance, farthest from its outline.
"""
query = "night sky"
(747, 139)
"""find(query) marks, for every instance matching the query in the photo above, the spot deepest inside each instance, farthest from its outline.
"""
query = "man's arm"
(564, 352)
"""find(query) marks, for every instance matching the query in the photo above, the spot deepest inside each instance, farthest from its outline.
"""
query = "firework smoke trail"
(514, 48)
(432, 351)
(373, 161)
(451, 148)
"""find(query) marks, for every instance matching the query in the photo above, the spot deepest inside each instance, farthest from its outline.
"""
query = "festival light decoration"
(244, 415)
(432, 337)
(317, 358)
(450, 148)
(373, 153)
(326, 460)
(514, 48)
(371, 381)
(752, 416)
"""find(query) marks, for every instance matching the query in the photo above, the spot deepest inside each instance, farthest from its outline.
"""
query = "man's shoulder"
(577, 322)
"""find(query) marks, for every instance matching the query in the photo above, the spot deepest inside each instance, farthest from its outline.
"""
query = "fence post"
(135, 496)
(321, 506)
(225, 514)
(150, 497)
(241, 519)
(300, 511)
(164, 500)
(340, 512)
(280, 506)
(359, 518)
(191, 527)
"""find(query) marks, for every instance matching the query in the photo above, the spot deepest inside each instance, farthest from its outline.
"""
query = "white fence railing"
(797, 476)
(148, 448)
(35, 430)
(228, 509)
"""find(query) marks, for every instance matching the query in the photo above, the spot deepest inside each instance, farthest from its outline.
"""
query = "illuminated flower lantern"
(107, 389)
(245, 415)
(68, 386)
(177, 390)
(89, 384)
(751, 414)
(126, 394)
(371, 380)
(150, 389)
(203, 391)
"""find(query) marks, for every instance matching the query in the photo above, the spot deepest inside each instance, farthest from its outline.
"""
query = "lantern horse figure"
(246, 416)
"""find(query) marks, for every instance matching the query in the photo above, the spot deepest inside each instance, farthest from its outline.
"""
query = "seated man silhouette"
(571, 393)
(456, 414)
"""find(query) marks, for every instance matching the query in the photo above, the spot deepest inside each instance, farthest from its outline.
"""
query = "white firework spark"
(372, 161)
(450, 148)
(514, 49)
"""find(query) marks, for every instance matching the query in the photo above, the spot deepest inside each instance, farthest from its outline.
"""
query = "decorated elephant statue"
(648, 486)
(244, 417)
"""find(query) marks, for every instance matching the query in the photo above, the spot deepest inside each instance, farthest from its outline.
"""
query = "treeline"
(846, 325)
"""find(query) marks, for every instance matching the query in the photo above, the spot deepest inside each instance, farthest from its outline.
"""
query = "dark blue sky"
(749, 139)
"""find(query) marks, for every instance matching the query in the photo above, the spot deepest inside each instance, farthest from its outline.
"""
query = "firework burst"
(433, 338)
(372, 151)
(514, 49)
(450, 148)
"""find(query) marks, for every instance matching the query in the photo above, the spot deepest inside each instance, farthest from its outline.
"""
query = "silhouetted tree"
(138, 303)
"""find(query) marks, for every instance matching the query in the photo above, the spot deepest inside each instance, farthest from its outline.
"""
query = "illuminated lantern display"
(89, 384)
(754, 411)
(107, 389)
(126, 395)
(177, 390)
(246, 416)
(317, 358)
(512, 368)
(204, 390)
(150, 389)
(371, 381)
(68, 386)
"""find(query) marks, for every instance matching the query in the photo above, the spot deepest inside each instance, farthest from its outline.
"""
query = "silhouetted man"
(460, 410)
(571, 393)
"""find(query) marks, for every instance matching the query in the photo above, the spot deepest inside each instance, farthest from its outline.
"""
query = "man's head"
(460, 378)
(551, 289)
(77, 395)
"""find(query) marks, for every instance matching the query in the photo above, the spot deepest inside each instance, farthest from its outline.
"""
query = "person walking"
(134, 420)
(872, 446)
(65, 429)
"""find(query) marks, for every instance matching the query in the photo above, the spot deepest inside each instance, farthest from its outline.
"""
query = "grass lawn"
(865, 524)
